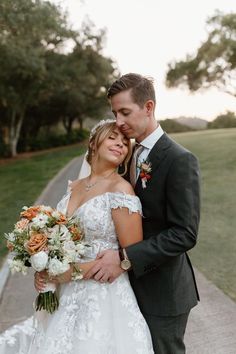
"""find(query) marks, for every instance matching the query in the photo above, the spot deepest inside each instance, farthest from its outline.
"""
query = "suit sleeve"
(182, 213)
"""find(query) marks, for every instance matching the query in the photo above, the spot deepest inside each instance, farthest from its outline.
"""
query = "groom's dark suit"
(162, 276)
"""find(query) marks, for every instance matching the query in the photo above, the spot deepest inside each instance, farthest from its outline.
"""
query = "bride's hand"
(40, 280)
(62, 278)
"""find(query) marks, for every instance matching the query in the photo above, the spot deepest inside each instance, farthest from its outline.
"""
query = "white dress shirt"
(148, 144)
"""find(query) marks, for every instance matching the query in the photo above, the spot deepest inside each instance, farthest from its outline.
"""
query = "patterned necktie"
(133, 166)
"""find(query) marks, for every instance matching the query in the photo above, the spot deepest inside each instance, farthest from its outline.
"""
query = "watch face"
(125, 264)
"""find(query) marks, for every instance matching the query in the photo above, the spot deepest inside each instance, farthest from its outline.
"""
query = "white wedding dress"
(92, 318)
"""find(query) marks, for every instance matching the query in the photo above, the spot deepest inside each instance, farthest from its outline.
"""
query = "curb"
(4, 271)
(4, 274)
(52, 181)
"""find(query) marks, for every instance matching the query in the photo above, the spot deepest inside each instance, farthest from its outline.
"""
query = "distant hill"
(195, 123)
(171, 126)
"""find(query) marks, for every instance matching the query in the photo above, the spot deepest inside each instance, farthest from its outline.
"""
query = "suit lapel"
(155, 157)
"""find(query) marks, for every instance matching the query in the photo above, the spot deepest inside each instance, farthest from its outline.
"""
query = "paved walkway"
(212, 324)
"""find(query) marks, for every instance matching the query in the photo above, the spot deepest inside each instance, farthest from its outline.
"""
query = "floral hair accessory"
(98, 125)
(145, 168)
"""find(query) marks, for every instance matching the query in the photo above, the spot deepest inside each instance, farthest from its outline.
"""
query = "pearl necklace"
(88, 186)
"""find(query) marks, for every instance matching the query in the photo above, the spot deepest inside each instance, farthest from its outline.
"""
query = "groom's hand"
(107, 268)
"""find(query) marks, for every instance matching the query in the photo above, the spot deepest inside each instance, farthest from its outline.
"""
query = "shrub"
(46, 141)
(4, 148)
(171, 126)
(227, 120)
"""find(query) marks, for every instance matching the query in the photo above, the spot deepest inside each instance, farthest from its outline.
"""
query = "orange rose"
(76, 234)
(22, 224)
(36, 243)
(31, 212)
(62, 219)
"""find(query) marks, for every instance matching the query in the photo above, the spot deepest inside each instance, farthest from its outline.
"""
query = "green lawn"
(215, 252)
(22, 181)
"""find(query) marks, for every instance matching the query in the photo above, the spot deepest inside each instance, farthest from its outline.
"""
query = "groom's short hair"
(142, 88)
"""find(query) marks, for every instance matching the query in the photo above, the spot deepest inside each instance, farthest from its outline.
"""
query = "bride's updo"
(98, 134)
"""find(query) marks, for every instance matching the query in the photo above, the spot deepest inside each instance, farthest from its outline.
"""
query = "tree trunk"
(68, 122)
(15, 128)
(80, 120)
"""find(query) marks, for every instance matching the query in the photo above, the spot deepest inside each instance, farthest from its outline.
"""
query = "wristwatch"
(125, 263)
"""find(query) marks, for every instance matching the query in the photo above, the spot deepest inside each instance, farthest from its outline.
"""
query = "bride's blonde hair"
(98, 134)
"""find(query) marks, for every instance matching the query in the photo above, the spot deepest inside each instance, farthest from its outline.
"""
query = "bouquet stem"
(47, 301)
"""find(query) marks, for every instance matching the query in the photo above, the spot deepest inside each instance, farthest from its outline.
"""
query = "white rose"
(57, 267)
(39, 261)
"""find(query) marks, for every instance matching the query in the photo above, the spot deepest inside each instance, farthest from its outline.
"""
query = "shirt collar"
(152, 138)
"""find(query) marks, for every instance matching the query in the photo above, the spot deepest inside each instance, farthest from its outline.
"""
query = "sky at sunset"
(143, 36)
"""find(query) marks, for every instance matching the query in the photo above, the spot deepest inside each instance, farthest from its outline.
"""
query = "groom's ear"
(149, 105)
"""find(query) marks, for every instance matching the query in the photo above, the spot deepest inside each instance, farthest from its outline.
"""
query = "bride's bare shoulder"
(121, 185)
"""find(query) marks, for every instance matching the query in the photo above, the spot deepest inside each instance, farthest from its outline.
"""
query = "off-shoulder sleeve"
(123, 200)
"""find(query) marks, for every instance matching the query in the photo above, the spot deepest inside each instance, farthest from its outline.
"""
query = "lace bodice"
(96, 219)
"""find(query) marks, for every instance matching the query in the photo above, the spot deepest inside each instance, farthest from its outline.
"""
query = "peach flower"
(31, 212)
(62, 219)
(10, 246)
(76, 234)
(36, 243)
(22, 224)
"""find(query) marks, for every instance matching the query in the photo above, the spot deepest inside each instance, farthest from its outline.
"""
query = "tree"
(214, 64)
(29, 29)
(171, 126)
(227, 120)
(40, 83)
(86, 73)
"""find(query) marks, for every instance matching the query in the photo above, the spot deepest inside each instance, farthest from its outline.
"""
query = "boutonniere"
(145, 168)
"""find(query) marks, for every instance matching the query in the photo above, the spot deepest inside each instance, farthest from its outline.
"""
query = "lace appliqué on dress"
(18, 337)
(123, 200)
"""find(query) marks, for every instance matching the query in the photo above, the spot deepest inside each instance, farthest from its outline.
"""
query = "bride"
(93, 317)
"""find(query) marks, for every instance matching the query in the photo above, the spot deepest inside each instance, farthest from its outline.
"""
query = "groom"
(167, 183)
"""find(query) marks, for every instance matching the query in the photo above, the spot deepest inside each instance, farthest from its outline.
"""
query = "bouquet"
(45, 239)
